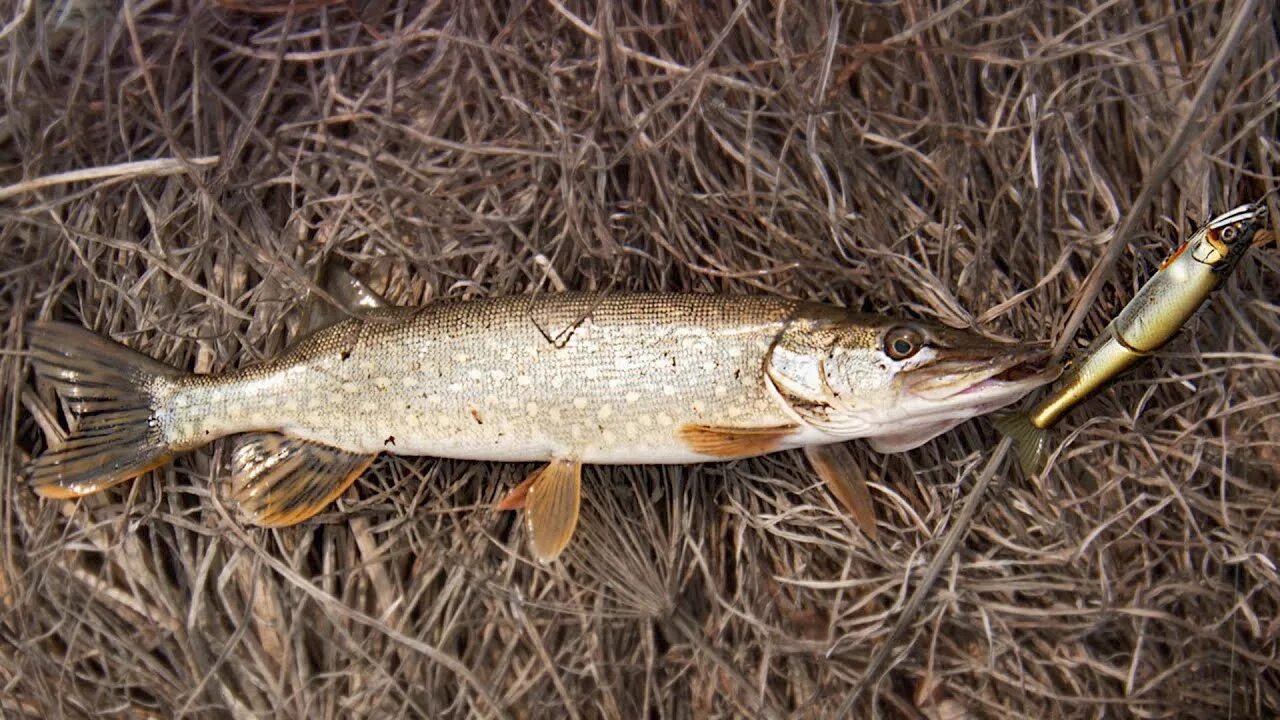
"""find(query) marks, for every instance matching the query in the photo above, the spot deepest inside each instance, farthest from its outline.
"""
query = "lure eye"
(901, 343)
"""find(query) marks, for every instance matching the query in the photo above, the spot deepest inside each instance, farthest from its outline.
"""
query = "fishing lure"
(1161, 307)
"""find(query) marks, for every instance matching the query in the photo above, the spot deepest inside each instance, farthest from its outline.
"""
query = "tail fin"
(109, 387)
(1030, 443)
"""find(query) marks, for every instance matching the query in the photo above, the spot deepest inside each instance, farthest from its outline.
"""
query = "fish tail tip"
(1029, 442)
(109, 388)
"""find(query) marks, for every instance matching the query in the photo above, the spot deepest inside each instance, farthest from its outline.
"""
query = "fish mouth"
(980, 375)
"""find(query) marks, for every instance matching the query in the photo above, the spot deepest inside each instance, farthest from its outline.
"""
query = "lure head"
(897, 382)
(1167, 300)
(1225, 239)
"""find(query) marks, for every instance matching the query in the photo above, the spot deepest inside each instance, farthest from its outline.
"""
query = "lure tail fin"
(1030, 443)
(109, 388)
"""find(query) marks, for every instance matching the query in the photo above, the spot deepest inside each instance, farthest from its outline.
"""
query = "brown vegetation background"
(968, 161)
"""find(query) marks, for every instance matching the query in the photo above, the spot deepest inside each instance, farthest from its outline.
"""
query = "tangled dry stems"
(964, 161)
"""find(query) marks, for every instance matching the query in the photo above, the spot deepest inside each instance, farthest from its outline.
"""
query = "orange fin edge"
(734, 442)
(515, 498)
(551, 507)
(845, 479)
(279, 481)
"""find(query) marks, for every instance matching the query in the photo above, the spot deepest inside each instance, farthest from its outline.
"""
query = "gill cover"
(799, 364)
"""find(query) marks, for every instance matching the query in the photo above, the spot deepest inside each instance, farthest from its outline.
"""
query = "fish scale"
(606, 379)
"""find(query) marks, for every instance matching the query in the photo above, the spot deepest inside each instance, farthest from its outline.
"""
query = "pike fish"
(1161, 307)
(561, 379)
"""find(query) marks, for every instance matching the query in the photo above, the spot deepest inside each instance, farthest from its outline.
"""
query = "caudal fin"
(108, 387)
(1030, 443)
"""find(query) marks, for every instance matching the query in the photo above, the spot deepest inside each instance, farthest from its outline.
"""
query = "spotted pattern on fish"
(607, 379)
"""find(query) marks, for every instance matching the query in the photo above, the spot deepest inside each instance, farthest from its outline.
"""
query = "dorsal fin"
(352, 296)
(349, 290)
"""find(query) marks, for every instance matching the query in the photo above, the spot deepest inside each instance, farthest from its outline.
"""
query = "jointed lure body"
(1160, 308)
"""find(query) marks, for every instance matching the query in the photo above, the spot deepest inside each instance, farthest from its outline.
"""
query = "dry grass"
(967, 161)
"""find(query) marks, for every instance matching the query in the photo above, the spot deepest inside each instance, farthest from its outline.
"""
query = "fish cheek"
(858, 379)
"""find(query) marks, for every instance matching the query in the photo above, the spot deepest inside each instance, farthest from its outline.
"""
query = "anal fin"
(845, 479)
(278, 480)
(734, 442)
(551, 498)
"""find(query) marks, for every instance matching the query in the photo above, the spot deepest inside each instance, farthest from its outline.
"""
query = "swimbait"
(564, 379)
(1161, 307)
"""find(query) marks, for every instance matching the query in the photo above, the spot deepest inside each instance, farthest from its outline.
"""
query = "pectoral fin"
(551, 504)
(279, 480)
(734, 442)
(838, 469)
(1030, 443)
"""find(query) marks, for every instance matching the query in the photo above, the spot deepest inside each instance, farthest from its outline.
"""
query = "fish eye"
(902, 342)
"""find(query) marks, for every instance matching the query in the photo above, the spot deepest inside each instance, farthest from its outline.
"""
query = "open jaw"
(952, 390)
(1019, 378)
(983, 383)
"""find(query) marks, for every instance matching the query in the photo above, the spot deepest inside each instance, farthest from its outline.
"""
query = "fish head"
(900, 381)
